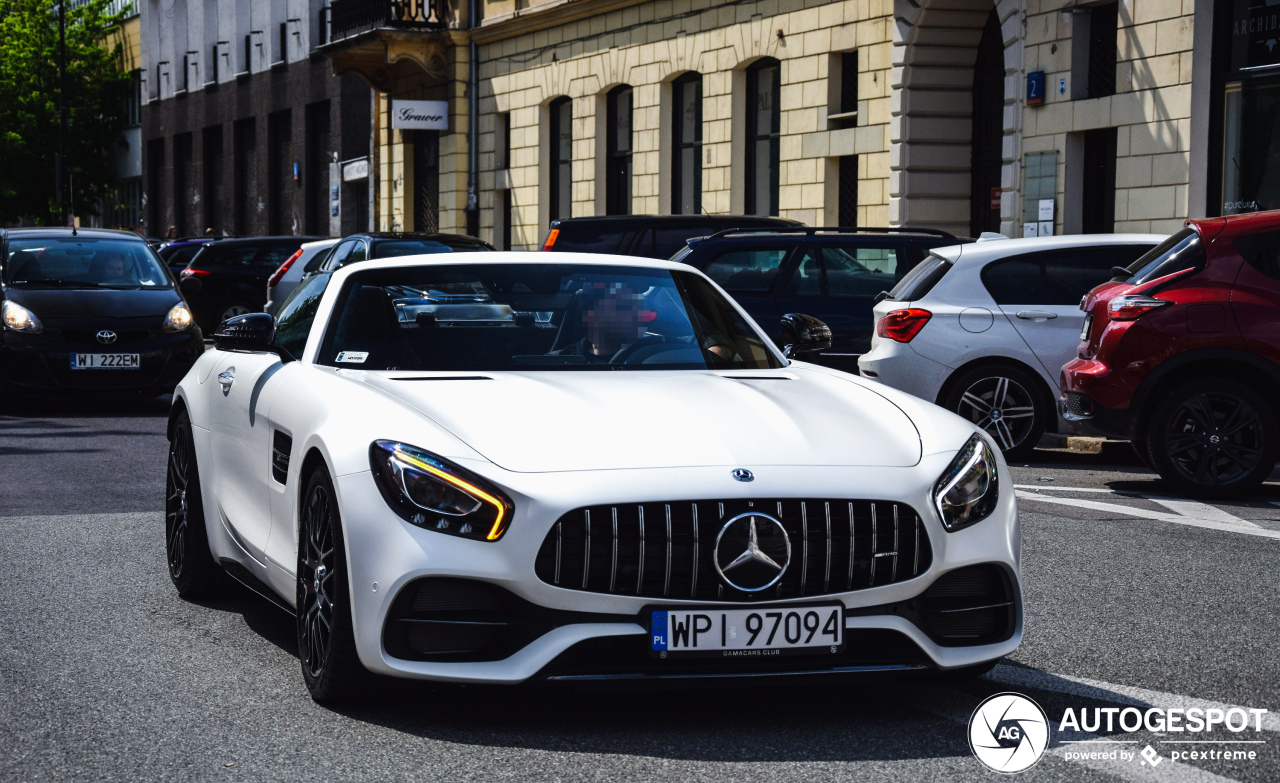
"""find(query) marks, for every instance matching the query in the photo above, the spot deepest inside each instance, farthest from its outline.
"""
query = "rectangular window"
(686, 169)
(502, 142)
(182, 184)
(747, 271)
(763, 125)
(426, 180)
(248, 54)
(1103, 29)
(155, 195)
(131, 114)
(315, 174)
(505, 244)
(842, 83)
(561, 158)
(211, 173)
(245, 186)
(618, 144)
(282, 48)
(280, 183)
(848, 191)
(1099, 203)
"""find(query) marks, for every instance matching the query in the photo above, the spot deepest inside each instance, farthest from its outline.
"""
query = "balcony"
(395, 42)
(350, 17)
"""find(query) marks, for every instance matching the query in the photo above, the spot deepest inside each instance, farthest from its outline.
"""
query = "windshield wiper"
(55, 283)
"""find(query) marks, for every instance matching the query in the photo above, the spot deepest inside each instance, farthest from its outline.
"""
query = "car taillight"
(279, 273)
(189, 272)
(903, 325)
(1131, 307)
(551, 239)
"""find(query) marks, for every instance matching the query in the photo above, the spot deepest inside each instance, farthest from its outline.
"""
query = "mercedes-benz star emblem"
(752, 552)
(742, 474)
(106, 337)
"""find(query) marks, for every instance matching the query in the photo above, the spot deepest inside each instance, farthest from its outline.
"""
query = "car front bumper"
(573, 634)
(40, 364)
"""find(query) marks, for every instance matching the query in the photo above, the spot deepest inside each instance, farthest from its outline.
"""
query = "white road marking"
(1107, 691)
(1181, 506)
(958, 707)
(1238, 526)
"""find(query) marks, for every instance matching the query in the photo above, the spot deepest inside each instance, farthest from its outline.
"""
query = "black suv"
(647, 236)
(389, 244)
(229, 277)
(833, 274)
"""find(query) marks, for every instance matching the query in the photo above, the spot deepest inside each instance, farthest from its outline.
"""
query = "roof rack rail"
(937, 232)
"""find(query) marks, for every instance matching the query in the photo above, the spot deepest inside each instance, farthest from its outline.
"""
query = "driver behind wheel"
(613, 319)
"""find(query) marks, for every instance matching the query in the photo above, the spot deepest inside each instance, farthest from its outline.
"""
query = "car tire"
(1213, 438)
(231, 308)
(191, 566)
(331, 667)
(1012, 395)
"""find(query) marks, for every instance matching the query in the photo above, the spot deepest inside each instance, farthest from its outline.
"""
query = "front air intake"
(969, 606)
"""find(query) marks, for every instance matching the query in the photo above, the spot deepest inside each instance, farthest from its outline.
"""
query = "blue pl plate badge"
(659, 627)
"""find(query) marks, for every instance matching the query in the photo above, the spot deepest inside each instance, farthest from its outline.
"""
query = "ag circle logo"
(1008, 732)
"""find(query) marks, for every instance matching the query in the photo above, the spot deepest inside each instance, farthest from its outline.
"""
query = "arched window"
(561, 158)
(686, 145)
(617, 178)
(763, 124)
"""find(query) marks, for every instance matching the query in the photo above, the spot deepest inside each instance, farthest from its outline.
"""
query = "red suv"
(1180, 354)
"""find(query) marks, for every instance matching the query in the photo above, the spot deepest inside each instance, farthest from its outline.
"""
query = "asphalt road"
(1132, 599)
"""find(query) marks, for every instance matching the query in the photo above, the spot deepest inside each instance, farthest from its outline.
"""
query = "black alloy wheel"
(191, 566)
(1004, 401)
(1213, 438)
(326, 640)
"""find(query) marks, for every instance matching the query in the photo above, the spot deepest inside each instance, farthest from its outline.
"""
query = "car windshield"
(493, 317)
(83, 262)
(408, 247)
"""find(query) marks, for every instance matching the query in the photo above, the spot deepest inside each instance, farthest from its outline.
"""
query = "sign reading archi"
(420, 115)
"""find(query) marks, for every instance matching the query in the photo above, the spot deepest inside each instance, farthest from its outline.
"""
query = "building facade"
(1021, 116)
(244, 130)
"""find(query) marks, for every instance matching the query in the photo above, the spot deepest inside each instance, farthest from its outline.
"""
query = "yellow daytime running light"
(470, 489)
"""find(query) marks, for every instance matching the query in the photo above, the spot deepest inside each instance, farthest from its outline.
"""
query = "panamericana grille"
(665, 549)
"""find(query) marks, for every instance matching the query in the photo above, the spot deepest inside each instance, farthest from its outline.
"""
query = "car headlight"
(968, 489)
(20, 319)
(431, 493)
(178, 319)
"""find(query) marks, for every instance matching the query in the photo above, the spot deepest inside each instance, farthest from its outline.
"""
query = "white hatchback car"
(984, 329)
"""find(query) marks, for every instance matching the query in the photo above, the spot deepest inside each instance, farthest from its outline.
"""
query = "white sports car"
(507, 468)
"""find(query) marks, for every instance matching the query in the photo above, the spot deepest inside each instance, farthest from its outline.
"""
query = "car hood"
(67, 304)
(569, 421)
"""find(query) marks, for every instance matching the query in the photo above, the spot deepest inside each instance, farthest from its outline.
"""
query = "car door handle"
(226, 379)
(1036, 315)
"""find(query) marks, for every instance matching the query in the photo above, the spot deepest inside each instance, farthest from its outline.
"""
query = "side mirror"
(804, 334)
(190, 285)
(249, 332)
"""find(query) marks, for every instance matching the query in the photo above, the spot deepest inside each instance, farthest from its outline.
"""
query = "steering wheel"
(623, 356)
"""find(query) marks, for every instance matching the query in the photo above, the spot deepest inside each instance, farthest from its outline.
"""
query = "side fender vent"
(281, 448)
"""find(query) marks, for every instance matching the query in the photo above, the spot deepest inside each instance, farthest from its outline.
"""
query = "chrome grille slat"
(693, 590)
(568, 547)
(613, 566)
(894, 573)
(640, 573)
(666, 579)
(826, 576)
(804, 539)
(872, 581)
(586, 555)
(559, 543)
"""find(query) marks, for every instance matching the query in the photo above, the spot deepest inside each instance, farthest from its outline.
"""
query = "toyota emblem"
(106, 337)
(752, 552)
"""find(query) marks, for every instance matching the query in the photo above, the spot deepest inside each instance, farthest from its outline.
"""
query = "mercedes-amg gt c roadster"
(508, 469)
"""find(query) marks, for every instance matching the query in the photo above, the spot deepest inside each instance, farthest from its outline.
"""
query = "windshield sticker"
(353, 357)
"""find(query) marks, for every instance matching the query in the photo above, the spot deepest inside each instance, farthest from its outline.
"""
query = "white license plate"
(105, 361)
(1084, 331)
(732, 633)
